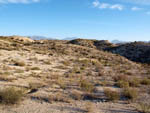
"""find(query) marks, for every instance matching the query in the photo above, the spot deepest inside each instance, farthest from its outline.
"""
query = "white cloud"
(104, 6)
(117, 6)
(96, 3)
(99, 5)
(136, 8)
(18, 1)
(143, 2)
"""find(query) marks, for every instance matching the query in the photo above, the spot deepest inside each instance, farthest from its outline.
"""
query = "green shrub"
(86, 86)
(130, 93)
(10, 95)
(145, 81)
(111, 95)
(122, 84)
(134, 82)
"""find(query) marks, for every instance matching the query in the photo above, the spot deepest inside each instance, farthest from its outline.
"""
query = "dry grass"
(66, 63)
(35, 68)
(120, 77)
(90, 107)
(86, 86)
(145, 81)
(122, 84)
(111, 95)
(61, 83)
(74, 75)
(6, 78)
(19, 63)
(11, 95)
(48, 62)
(35, 85)
(130, 93)
(134, 82)
(19, 71)
(59, 97)
(143, 108)
(76, 95)
(104, 83)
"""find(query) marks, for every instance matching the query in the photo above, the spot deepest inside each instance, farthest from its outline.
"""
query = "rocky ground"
(62, 77)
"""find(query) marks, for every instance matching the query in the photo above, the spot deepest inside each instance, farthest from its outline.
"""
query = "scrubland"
(56, 76)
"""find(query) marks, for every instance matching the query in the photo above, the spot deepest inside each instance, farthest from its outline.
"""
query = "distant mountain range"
(41, 38)
(50, 38)
(119, 42)
(124, 42)
(73, 38)
(70, 38)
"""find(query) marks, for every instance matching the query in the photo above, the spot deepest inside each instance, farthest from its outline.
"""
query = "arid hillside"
(99, 44)
(134, 51)
(78, 76)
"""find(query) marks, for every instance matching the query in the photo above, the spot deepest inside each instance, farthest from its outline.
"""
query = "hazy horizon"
(124, 20)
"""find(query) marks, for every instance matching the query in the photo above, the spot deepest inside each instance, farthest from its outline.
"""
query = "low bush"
(134, 82)
(35, 68)
(143, 108)
(145, 81)
(77, 95)
(121, 77)
(10, 95)
(130, 93)
(122, 84)
(58, 97)
(86, 86)
(61, 83)
(19, 63)
(111, 95)
(104, 83)
(35, 85)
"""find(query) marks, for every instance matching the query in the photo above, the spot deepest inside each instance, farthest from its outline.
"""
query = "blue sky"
(95, 19)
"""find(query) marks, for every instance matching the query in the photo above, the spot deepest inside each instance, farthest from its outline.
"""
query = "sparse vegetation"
(111, 95)
(143, 108)
(66, 63)
(72, 77)
(11, 95)
(86, 86)
(134, 82)
(89, 107)
(19, 63)
(35, 85)
(19, 71)
(35, 68)
(145, 81)
(61, 83)
(58, 97)
(77, 95)
(104, 83)
(122, 84)
(130, 93)
(121, 78)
